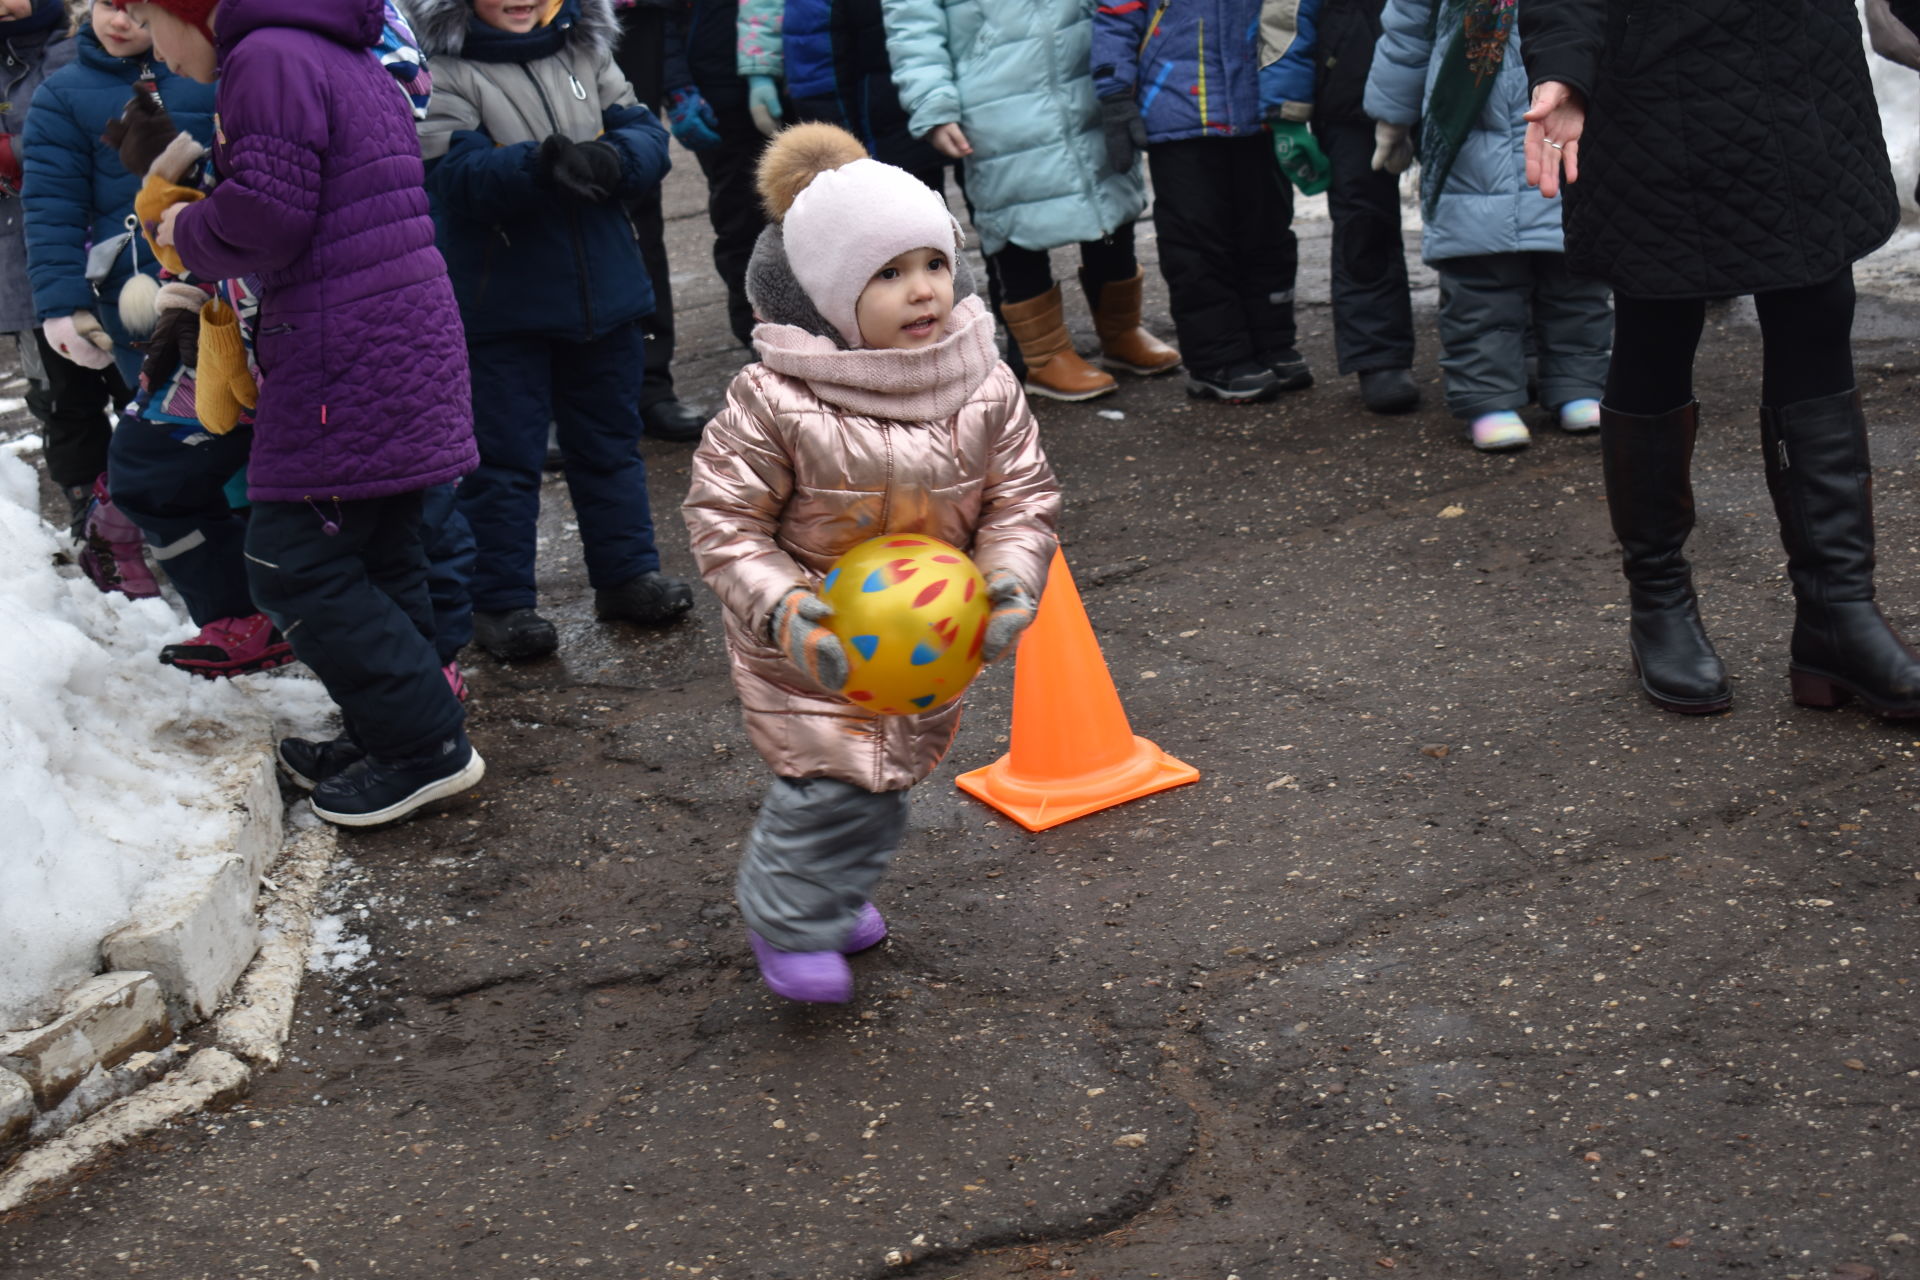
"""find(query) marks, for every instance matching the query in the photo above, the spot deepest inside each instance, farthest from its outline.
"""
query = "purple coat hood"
(321, 195)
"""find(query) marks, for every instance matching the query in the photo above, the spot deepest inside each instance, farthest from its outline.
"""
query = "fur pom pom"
(177, 161)
(139, 311)
(796, 157)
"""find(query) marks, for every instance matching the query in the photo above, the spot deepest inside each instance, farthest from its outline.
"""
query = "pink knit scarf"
(923, 384)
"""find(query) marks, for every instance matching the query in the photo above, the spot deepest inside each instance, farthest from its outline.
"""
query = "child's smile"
(518, 16)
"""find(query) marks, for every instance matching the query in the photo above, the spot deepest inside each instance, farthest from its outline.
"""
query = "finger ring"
(1556, 145)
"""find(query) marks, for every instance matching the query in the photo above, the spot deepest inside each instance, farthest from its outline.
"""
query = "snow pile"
(112, 767)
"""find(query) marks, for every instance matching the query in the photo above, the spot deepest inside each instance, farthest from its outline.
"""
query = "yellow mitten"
(222, 384)
(161, 190)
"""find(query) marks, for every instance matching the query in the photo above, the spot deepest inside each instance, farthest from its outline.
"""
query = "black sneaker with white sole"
(1245, 383)
(373, 791)
(311, 763)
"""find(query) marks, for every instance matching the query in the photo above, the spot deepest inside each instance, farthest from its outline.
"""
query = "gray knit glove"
(796, 628)
(1013, 611)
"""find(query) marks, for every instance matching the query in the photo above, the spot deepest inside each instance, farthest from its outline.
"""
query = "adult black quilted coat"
(1731, 146)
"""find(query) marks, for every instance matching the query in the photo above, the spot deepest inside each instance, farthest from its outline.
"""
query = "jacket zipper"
(573, 215)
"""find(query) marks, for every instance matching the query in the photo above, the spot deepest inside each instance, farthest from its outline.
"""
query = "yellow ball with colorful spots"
(912, 613)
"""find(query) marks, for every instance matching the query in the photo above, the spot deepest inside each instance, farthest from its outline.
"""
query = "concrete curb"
(253, 1027)
(256, 1021)
(210, 1076)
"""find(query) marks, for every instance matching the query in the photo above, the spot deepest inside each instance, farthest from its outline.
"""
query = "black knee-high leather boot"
(1821, 479)
(1648, 461)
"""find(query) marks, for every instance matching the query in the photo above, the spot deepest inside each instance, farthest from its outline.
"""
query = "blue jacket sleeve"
(1118, 28)
(922, 64)
(1397, 85)
(1292, 76)
(476, 179)
(57, 193)
(637, 134)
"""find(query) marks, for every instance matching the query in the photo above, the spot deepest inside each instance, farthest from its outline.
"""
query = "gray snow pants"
(813, 856)
(1487, 305)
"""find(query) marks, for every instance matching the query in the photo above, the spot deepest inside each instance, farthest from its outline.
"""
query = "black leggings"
(1806, 334)
(1027, 273)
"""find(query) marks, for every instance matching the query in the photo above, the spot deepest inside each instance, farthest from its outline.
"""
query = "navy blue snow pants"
(355, 606)
(591, 392)
(175, 491)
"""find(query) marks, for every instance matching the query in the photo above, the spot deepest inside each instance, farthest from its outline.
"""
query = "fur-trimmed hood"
(442, 25)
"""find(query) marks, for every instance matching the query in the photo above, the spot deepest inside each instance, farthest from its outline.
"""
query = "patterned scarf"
(1476, 32)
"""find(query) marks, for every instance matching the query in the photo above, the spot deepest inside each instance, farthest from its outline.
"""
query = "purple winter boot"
(112, 554)
(870, 930)
(816, 977)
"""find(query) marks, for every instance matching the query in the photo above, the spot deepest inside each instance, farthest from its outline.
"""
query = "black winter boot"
(651, 599)
(515, 635)
(1648, 461)
(1821, 480)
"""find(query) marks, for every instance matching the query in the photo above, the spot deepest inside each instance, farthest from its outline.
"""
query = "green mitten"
(1300, 157)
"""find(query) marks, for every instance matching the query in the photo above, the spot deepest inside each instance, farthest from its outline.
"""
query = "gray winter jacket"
(517, 101)
(27, 61)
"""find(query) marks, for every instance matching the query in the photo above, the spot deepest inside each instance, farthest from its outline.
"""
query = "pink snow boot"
(112, 550)
(455, 681)
(816, 977)
(231, 647)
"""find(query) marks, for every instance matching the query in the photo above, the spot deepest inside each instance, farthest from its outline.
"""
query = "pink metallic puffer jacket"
(791, 475)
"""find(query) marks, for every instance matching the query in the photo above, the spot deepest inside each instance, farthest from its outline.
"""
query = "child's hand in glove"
(1125, 131)
(588, 171)
(1392, 147)
(809, 646)
(1013, 611)
(691, 118)
(763, 104)
(80, 339)
(141, 133)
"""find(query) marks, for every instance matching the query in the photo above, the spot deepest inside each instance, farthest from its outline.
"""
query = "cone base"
(1038, 804)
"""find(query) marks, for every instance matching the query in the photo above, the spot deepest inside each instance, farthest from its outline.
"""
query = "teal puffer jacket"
(1016, 75)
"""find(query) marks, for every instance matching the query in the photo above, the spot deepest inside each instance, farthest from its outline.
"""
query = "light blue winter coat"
(1016, 75)
(1486, 206)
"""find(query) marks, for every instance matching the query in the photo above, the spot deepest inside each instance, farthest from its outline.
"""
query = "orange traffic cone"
(1073, 751)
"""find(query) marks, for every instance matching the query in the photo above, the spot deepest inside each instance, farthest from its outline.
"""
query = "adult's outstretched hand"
(1554, 124)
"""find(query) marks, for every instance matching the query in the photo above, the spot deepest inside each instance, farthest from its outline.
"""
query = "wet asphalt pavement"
(1461, 960)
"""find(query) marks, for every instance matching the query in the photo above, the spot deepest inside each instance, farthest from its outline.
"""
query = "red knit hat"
(192, 12)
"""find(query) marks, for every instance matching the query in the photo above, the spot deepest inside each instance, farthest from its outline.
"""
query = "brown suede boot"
(1123, 343)
(1054, 369)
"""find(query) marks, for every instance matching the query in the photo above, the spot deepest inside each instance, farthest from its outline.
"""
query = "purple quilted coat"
(363, 367)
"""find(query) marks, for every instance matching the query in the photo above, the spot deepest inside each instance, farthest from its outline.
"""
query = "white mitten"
(1392, 147)
(80, 339)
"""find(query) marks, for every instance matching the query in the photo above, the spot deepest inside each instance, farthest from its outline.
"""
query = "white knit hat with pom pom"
(844, 216)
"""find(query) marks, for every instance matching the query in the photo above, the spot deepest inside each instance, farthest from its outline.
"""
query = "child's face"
(518, 16)
(179, 44)
(907, 302)
(12, 9)
(118, 33)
